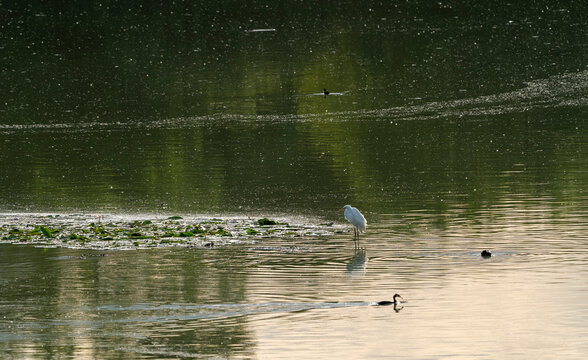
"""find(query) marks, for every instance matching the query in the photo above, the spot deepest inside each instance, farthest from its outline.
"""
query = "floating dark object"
(388, 302)
(325, 91)
(486, 254)
(209, 244)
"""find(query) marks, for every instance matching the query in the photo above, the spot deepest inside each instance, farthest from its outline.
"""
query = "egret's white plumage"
(355, 218)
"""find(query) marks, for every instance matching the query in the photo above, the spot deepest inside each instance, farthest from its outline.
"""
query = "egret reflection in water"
(357, 265)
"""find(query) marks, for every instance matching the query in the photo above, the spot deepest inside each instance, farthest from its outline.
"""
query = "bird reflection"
(397, 303)
(357, 265)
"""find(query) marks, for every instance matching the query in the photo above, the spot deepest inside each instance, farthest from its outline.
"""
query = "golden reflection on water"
(306, 298)
(484, 311)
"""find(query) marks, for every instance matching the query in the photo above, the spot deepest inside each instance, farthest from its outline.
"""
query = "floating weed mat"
(127, 232)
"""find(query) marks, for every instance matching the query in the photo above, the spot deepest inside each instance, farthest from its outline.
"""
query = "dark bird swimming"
(388, 302)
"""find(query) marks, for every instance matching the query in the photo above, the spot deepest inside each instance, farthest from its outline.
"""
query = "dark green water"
(453, 127)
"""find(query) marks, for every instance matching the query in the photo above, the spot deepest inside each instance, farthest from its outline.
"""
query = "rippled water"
(453, 127)
(301, 298)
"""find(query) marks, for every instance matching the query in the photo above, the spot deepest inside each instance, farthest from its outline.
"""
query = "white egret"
(356, 219)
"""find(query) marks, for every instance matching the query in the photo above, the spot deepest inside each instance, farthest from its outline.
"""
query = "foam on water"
(555, 91)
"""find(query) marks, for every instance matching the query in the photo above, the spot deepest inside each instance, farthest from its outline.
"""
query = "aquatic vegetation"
(120, 232)
(222, 232)
(197, 229)
(46, 231)
(266, 221)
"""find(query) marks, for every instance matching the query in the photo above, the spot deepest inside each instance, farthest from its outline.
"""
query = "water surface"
(453, 127)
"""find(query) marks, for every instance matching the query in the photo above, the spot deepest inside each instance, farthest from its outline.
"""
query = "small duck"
(486, 254)
(325, 91)
(388, 302)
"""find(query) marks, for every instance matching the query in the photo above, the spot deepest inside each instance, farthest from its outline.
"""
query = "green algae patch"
(223, 232)
(125, 232)
(46, 231)
(265, 222)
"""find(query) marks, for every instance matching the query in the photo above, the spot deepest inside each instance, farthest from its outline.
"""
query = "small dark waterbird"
(388, 302)
(486, 254)
(325, 91)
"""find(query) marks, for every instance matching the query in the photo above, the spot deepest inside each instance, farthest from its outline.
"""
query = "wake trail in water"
(185, 312)
(566, 90)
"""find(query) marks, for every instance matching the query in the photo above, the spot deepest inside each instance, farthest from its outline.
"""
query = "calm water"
(454, 128)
